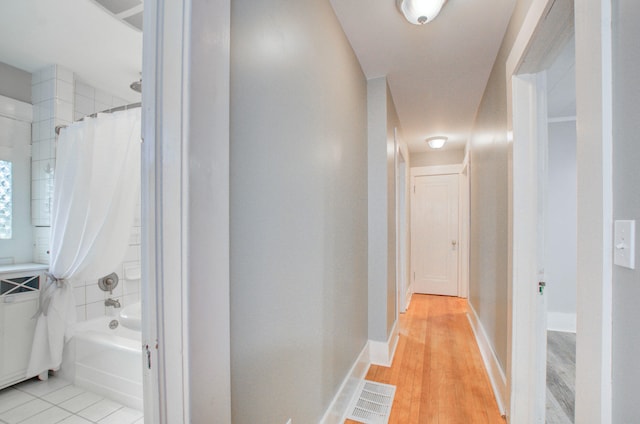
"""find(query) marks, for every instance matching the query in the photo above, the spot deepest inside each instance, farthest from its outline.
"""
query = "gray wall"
(488, 277)
(298, 210)
(15, 83)
(437, 157)
(561, 228)
(626, 198)
(382, 119)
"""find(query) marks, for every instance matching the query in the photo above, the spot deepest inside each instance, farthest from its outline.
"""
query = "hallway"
(437, 367)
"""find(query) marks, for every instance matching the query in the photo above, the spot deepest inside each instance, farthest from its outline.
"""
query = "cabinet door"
(17, 325)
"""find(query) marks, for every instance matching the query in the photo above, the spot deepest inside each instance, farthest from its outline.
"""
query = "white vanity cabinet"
(19, 297)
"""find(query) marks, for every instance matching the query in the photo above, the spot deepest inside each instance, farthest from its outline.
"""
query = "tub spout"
(112, 302)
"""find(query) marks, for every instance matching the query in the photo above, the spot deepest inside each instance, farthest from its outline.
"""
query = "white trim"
(561, 321)
(15, 109)
(492, 365)
(338, 408)
(545, 27)
(595, 210)
(409, 295)
(436, 170)
(464, 229)
(403, 182)
(381, 353)
(186, 233)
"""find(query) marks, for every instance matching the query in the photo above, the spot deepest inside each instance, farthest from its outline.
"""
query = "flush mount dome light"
(419, 12)
(437, 142)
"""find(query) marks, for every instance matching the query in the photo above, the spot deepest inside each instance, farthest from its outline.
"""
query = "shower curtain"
(96, 180)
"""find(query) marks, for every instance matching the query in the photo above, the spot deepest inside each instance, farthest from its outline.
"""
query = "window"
(5, 199)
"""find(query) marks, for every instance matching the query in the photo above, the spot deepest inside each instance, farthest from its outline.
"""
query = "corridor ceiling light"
(419, 12)
(437, 142)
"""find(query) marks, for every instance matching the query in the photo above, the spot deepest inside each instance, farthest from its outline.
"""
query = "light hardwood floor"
(437, 369)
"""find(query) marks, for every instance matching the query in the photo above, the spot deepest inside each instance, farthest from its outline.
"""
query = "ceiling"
(437, 72)
(101, 50)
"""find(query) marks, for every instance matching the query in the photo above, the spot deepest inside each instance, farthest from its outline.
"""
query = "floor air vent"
(373, 404)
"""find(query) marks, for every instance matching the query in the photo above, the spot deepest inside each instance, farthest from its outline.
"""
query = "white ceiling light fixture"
(420, 12)
(437, 142)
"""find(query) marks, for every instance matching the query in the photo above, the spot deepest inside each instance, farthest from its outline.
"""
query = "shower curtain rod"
(113, 109)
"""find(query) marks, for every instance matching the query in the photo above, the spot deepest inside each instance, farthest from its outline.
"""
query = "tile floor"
(56, 401)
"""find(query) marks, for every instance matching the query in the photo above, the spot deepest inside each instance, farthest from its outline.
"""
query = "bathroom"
(44, 86)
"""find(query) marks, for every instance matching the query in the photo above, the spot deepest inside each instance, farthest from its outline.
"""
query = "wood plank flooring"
(437, 369)
(561, 377)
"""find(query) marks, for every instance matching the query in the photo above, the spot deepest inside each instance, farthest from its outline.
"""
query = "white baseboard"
(494, 370)
(381, 353)
(378, 353)
(337, 410)
(409, 295)
(560, 321)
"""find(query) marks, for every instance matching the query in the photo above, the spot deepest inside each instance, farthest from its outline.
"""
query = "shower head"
(136, 86)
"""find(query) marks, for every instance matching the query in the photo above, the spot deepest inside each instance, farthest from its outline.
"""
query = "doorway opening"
(547, 27)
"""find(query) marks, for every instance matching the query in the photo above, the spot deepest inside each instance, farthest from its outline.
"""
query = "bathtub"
(106, 361)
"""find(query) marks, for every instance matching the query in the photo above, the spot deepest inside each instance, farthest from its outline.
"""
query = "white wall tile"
(133, 254)
(104, 98)
(79, 295)
(64, 91)
(83, 89)
(64, 111)
(94, 293)
(117, 101)
(36, 92)
(48, 88)
(64, 74)
(131, 287)
(35, 189)
(101, 107)
(36, 77)
(48, 72)
(95, 310)
(81, 313)
(43, 129)
(134, 237)
(84, 105)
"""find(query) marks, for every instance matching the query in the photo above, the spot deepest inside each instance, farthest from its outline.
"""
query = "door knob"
(453, 242)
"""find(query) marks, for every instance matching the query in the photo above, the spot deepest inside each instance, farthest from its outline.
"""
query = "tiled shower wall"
(90, 299)
(59, 98)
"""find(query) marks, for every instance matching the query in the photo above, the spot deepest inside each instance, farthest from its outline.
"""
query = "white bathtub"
(106, 361)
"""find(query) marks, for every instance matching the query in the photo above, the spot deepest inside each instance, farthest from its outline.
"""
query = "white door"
(434, 234)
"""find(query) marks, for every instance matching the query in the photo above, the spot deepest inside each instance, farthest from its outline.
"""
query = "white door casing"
(544, 27)
(402, 271)
(434, 234)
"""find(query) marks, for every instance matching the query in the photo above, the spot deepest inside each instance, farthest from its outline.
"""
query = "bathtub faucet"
(112, 302)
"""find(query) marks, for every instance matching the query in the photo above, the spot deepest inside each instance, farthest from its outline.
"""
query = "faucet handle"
(108, 283)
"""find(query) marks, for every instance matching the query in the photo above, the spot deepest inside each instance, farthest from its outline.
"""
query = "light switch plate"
(624, 243)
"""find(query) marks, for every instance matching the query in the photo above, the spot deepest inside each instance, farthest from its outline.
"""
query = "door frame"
(463, 232)
(464, 206)
(185, 214)
(402, 226)
(543, 26)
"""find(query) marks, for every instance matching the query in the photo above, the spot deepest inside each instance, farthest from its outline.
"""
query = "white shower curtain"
(97, 176)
